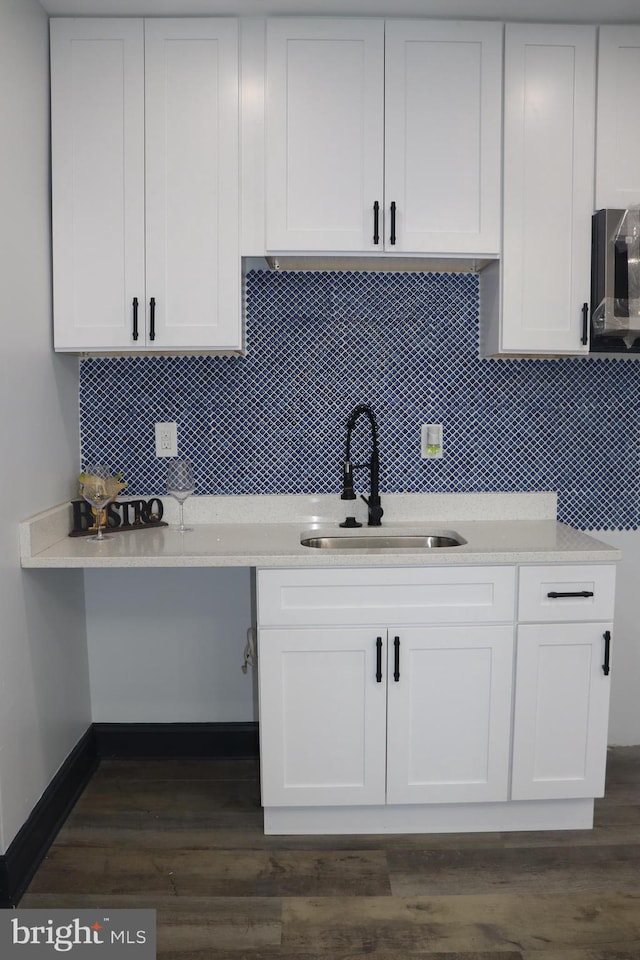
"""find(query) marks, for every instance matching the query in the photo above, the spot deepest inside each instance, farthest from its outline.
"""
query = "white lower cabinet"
(323, 726)
(409, 699)
(561, 710)
(448, 714)
(562, 685)
(406, 715)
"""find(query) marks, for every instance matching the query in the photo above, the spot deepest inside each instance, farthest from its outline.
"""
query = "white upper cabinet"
(325, 129)
(192, 177)
(364, 151)
(618, 138)
(97, 131)
(145, 153)
(549, 136)
(443, 121)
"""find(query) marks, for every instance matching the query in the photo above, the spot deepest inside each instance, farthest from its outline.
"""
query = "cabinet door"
(449, 713)
(97, 143)
(325, 128)
(322, 716)
(192, 182)
(443, 110)
(618, 138)
(561, 711)
(548, 186)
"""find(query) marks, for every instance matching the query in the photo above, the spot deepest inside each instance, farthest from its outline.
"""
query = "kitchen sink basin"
(382, 541)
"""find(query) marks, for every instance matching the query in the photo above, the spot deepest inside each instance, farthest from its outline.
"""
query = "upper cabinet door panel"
(548, 185)
(97, 95)
(443, 119)
(618, 138)
(192, 180)
(325, 128)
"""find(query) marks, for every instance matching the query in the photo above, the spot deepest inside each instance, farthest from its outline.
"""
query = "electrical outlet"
(431, 441)
(166, 439)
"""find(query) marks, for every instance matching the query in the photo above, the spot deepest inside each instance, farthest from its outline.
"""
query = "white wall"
(624, 715)
(167, 645)
(44, 690)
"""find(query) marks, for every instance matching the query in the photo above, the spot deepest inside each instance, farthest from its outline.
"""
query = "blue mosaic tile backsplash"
(320, 343)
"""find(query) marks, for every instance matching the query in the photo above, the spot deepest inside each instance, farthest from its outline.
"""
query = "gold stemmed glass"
(99, 488)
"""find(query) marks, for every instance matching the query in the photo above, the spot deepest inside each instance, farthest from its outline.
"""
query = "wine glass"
(180, 485)
(98, 490)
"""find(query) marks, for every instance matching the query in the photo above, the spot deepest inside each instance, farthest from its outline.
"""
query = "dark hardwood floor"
(185, 837)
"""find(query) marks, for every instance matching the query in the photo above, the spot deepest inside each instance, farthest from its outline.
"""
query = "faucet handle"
(375, 510)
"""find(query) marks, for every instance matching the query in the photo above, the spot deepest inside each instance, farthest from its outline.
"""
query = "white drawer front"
(561, 592)
(383, 595)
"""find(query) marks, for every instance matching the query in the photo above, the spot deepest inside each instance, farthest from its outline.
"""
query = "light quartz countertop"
(265, 531)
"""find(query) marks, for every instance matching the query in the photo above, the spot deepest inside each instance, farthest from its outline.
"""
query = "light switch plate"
(431, 441)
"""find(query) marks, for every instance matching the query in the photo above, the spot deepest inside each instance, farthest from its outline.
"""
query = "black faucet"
(348, 493)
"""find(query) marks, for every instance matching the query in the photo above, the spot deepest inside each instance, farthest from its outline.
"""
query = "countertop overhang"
(265, 531)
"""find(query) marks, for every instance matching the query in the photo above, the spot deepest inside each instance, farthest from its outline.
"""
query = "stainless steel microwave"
(615, 281)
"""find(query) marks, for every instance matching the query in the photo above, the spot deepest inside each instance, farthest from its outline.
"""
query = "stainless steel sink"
(382, 541)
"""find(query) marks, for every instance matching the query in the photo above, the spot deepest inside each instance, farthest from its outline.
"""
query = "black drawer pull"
(554, 594)
(379, 660)
(585, 324)
(396, 659)
(393, 222)
(152, 318)
(376, 222)
(135, 318)
(607, 649)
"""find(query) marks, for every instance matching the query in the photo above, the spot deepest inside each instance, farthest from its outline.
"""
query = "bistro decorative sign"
(118, 516)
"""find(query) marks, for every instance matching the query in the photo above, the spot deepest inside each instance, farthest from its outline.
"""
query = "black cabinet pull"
(152, 318)
(135, 318)
(554, 594)
(392, 238)
(396, 659)
(376, 222)
(379, 660)
(585, 324)
(607, 649)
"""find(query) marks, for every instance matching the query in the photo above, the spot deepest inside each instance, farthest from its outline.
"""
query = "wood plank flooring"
(185, 837)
